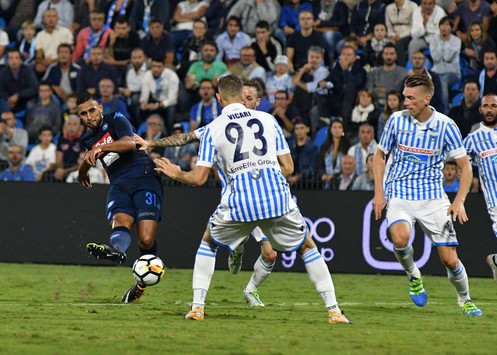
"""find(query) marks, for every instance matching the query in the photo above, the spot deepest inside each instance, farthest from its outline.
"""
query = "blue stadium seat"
(142, 128)
(186, 126)
(456, 100)
(321, 135)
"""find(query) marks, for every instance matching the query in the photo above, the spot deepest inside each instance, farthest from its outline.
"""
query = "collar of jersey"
(487, 129)
(427, 123)
(234, 107)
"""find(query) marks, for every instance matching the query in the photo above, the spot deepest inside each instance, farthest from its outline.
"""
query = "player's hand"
(144, 144)
(458, 212)
(91, 156)
(84, 180)
(165, 166)
(379, 204)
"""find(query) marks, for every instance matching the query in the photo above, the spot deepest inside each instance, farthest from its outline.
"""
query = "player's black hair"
(83, 98)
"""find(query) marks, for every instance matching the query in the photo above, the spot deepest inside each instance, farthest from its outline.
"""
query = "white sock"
(405, 256)
(261, 272)
(205, 262)
(320, 276)
(459, 279)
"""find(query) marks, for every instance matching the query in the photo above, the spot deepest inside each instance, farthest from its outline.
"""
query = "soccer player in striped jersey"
(420, 139)
(252, 158)
(481, 145)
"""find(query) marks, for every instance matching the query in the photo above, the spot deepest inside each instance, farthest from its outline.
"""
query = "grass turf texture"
(47, 309)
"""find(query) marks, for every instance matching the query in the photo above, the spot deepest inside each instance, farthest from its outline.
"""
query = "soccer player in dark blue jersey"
(135, 194)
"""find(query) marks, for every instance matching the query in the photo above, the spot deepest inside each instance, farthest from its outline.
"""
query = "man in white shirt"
(425, 21)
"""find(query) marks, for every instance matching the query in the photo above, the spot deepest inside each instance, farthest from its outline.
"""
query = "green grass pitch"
(53, 309)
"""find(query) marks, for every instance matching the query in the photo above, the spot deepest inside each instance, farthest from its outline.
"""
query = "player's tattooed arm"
(176, 140)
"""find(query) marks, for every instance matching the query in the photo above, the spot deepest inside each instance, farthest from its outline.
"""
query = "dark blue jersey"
(129, 164)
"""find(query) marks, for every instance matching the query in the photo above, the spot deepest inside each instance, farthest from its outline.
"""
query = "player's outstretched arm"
(198, 176)
(457, 207)
(379, 201)
(176, 140)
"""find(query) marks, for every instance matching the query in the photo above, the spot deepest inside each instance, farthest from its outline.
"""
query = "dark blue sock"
(120, 238)
(152, 250)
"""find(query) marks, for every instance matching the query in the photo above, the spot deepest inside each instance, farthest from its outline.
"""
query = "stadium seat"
(186, 126)
(456, 100)
(142, 129)
(321, 136)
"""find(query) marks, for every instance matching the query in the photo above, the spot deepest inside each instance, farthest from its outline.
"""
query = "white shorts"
(493, 216)
(258, 235)
(286, 233)
(431, 216)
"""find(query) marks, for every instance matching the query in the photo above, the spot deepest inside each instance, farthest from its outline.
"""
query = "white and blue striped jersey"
(245, 145)
(419, 150)
(481, 146)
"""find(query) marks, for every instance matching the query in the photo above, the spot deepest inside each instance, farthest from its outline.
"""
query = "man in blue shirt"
(17, 170)
(135, 194)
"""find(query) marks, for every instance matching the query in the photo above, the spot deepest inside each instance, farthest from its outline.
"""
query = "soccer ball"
(148, 270)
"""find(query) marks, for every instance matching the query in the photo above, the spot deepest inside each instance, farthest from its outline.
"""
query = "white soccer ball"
(148, 270)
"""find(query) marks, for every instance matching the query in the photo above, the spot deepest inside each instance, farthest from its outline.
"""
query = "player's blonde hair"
(423, 80)
(230, 87)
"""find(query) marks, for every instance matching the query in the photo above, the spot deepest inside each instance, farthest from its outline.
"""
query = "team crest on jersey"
(105, 126)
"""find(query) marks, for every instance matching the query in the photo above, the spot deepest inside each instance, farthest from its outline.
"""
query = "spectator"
(389, 77)
(207, 68)
(398, 19)
(4, 42)
(120, 44)
(159, 43)
(131, 90)
(252, 11)
(230, 43)
(115, 9)
(346, 178)
(42, 157)
(48, 41)
(247, 68)
(488, 76)
(337, 94)
(192, 48)
(17, 170)
(425, 20)
(266, 47)
(159, 93)
(64, 9)
(18, 83)
(467, 113)
(144, 12)
(91, 73)
(289, 22)
(27, 46)
(285, 113)
(304, 155)
(332, 18)
(10, 135)
(445, 49)
(300, 41)
(21, 10)
(365, 181)
(43, 113)
(62, 75)
(364, 112)
(96, 173)
(68, 150)
(181, 155)
(366, 145)
(82, 10)
(332, 151)
(418, 61)
(185, 15)
(307, 79)
(394, 103)
(373, 50)
(280, 80)
(365, 15)
(469, 12)
(492, 26)
(155, 130)
(451, 184)
(476, 43)
(109, 101)
(205, 111)
(216, 15)
(264, 104)
(95, 35)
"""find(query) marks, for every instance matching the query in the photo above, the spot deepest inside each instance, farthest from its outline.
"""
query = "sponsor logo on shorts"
(145, 214)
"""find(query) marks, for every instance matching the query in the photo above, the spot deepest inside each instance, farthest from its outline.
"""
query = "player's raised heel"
(134, 294)
(195, 314)
(235, 259)
(253, 299)
(470, 309)
(492, 262)
(338, 318)
(417, 292)
(104, 251)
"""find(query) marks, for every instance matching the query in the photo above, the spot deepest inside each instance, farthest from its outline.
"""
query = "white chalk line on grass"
(297, 304)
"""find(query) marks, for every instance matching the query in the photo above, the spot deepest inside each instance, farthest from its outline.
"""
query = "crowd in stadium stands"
(331, 72)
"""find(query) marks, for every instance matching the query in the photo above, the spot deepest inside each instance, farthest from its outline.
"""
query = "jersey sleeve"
(122, 126)
(281, 143)
(388, 137)
(453, 141)
(207, 151)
